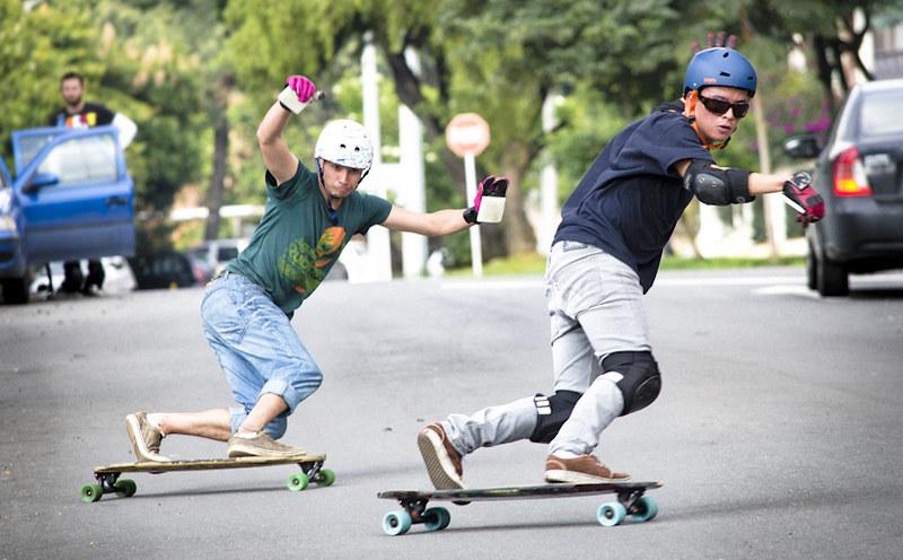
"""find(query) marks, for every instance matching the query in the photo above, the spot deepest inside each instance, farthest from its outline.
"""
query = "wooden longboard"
(630, 501)
(108, 476)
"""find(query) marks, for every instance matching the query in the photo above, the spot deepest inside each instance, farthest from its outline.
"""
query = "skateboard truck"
(416, 512)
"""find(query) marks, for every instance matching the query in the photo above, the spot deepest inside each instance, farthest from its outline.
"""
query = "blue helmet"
(720, 66)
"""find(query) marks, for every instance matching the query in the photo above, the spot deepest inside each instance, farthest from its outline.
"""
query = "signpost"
(467, 136)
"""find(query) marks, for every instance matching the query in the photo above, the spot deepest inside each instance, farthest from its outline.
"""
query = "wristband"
(288, 100)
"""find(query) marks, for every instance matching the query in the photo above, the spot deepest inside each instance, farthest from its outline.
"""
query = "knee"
(303, 382)
(637, 376)
(311, 379)
(552, 412)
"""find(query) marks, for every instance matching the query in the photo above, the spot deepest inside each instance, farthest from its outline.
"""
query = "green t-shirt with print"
(297, 241)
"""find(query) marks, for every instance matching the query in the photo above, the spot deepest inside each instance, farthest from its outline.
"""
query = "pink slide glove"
(303, 87)
(299, 91)
(491, 198)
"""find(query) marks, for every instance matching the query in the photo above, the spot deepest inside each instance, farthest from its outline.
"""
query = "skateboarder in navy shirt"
(309, 217)
(604, 258)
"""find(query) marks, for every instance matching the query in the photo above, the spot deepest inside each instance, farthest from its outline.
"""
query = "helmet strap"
(334, 214)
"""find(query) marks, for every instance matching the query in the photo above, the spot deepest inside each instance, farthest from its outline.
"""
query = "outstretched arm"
(441, 222)
(722, 185)
(489, 205)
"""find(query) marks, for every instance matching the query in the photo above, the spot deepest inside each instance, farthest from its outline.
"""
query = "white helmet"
(346, 143)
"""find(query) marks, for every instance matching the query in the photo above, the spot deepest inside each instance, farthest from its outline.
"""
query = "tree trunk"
(516, 235)
(519, 235)
(216, 188)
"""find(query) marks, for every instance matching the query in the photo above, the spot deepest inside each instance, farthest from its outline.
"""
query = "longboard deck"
(207, 464)
(108, 476)
(519, 492)
(630, 501)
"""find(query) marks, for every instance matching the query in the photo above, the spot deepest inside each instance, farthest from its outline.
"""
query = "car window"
(90, 158)
(29, 146)
(880, 113)
(227, 253)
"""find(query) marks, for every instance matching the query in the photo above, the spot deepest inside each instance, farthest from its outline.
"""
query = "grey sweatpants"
(595, 308)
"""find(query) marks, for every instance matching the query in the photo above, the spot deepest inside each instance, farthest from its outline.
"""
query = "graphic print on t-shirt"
(304, 265)
(81, 120)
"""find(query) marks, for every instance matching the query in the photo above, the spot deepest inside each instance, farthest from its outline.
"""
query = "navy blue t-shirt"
(630, 200)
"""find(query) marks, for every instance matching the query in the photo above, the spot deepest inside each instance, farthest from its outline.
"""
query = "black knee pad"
(552, 412)
(638, 378)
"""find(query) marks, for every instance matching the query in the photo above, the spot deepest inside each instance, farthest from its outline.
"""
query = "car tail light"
(198, 273)
(849, 175)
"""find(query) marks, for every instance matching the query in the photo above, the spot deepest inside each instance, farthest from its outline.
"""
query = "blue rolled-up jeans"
(257, 348)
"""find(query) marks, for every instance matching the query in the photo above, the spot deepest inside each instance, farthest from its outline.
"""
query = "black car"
(167, 270)
(858, 173)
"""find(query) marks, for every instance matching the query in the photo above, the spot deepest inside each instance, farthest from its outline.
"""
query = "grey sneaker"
(260, 444)
(581, 470)
(443, 461)
(145, 438)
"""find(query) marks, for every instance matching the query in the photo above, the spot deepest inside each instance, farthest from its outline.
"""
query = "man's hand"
(804, 199)
(298, 92)
(489, 202)
(715, 40)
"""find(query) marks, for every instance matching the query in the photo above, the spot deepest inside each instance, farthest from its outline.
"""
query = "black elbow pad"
(717, 185)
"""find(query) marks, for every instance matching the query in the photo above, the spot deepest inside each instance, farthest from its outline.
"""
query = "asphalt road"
(778, 433)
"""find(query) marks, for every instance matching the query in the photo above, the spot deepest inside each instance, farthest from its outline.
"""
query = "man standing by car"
(77, 113)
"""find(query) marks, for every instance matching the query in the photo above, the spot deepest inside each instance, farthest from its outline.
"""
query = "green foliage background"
(182, 69)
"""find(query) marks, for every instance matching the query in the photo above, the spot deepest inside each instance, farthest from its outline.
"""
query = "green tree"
(153, 75)
(833, 31)
(36, 45)
(131, 64)
(498, 58)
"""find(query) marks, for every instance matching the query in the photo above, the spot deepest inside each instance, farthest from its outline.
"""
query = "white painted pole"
(474, 231)
(414, 246)
(378, 243)
(549, 185)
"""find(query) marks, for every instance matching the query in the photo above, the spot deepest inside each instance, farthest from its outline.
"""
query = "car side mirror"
(802, 146)
(39, 181)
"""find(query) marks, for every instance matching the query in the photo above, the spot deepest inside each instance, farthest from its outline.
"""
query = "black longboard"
(108, 481)
(630, 501)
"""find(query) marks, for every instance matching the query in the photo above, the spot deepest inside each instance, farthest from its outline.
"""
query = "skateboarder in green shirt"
(310, 215)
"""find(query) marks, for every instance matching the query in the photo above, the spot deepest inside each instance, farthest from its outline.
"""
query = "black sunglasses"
(720, 107)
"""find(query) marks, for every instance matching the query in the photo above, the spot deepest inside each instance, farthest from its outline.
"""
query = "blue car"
(71, 198)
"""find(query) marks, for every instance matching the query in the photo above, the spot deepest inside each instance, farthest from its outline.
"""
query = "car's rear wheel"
(831, 278)
(15, 290)
(812, 266)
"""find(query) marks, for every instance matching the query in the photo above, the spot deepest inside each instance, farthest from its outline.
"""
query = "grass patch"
(535, 264)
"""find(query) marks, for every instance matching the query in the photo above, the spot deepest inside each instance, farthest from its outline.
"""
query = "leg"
(268, 407)
(72, 277)
(211, 424)
(603, 298)
(575, 367)
(268, 368)
(96, 276)
(443, 444)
